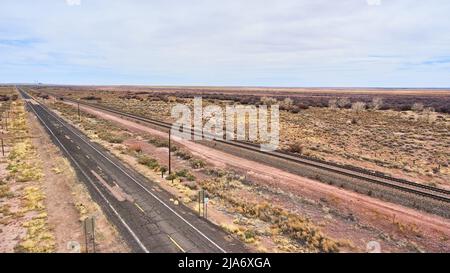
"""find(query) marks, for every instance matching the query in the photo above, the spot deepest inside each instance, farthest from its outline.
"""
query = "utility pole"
(170, 150)
(79, 115)
(200, 203)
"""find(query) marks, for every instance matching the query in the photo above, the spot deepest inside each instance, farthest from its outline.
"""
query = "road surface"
(143, 213)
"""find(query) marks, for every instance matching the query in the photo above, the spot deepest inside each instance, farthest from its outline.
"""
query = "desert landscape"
(235, 136)
(399, 132)
(271, 209)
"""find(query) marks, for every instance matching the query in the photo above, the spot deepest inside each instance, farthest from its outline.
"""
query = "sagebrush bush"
(183, 154)
(197, 163)
(148, 161)
(111, 137)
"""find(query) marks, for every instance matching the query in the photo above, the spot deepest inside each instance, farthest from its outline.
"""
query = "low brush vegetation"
(148, 161)
(183, 154)
(292, 225)
(159, 142)
(111, 137)
(387, 133)
(19, 167)
(101, 129)
(24, 167)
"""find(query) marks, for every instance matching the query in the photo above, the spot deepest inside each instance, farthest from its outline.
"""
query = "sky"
(297, 43)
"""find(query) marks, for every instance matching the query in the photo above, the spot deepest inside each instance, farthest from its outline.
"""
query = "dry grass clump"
(102, 129)
(247, 235)
(184, 173)
(24, 167)
(295, 148)
(82, 211)
(294, 226)
(33, 199)
(18, 165)
(111, 137)
(38, 238)
(183, 154)
(159, 142)
(148, 161)
(197, 163)
(5, 191)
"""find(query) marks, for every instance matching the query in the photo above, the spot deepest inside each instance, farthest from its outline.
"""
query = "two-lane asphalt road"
(141, 210)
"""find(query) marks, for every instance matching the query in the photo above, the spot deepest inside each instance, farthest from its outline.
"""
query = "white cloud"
(251, 42)
(373, 2)
(73, 2)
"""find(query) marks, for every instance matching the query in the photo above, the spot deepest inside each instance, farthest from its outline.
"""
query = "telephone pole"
(79, 115)
(170, 150)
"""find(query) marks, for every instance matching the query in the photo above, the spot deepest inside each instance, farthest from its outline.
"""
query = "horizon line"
(228, 86)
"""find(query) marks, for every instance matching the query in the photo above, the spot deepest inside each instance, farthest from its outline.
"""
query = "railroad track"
(349, 171)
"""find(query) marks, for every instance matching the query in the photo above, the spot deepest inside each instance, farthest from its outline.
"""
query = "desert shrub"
(131, 97)
(377, 103)
(296, 148)
(172, 99)
(358, 106)
(249, 100)
(91, 98)
(163, 170)
(171, 177)
(190, 177)
(268, 101)
(183, 154)
(404, 108)
(197, 163)
(302, 106)
(159, 142)
(182, 173)
(249, 236)
(148, 161)
(445, 109)
(111, 137)
(4, 98)
(191, 185)
(295, 110)
(152, 98)
(290, 224)
(343, 102)
(417, 107)
(4, 191)
(287, 104)
(429, 114)
(216, 172)
(332, 104)
(142, 93)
